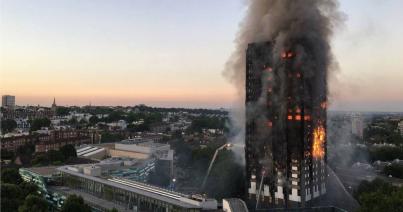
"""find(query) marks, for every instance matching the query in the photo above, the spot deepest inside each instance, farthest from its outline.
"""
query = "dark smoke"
(306, 26)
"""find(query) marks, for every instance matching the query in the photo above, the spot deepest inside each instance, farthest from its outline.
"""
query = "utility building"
(285, 140)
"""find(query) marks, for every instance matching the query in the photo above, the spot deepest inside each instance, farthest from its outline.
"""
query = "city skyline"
(173, 55)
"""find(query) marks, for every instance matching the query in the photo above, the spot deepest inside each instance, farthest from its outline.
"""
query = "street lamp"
(228, 145)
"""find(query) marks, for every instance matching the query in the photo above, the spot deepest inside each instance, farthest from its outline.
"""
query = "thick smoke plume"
(303, 25)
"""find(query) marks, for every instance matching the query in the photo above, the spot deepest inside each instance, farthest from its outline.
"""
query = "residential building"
(8, 101)
(400, 127)
(357, 125)
(285, 140)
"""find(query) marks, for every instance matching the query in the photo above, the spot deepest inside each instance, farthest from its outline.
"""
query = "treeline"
(206, 122)
(62, 111)
(394, 170)
(379, 196)
(383, 131)
(385, 153)
(27, 156)
(55, 157)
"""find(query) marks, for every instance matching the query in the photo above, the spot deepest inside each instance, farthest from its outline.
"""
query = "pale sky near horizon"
(172, 52)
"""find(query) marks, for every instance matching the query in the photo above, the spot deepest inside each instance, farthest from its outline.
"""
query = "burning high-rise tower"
(285, 47)
(285, 139)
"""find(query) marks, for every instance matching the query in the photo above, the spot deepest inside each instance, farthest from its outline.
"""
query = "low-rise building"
(46, 140)
(400, 127)
(134, 195)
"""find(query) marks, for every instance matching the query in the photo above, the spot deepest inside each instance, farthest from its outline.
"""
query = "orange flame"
(318, 141)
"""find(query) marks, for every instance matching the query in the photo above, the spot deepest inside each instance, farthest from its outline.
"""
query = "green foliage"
(7, 155)
(68, 151)
(205, 122)
(73, 121)
(115, 116)
(149, 118)
(8, 125)
(40, 160)
(10, 175)
(113, 210)
(395, 170)
(379, 196)
(107, 137)
(38, 123)
(382, 131)
(11, 197)
(138, 128)
(93, 120)
(386, 153)
(54, 157)
(75, 203)
(62, 111)
(28, 188)
(34, 203)
(17, 194)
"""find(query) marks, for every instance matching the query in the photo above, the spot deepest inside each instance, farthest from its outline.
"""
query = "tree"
(395, 170)
(378, 195)
(115, 116)
(38, 123)
(40, 159)
(34, 203)
(28, 188)
(8, 125)
(107, 137)
(73, 121)
(68, 151)
(54, 155)
(7, 155)
(10, 197)
(205, 122)
(11, 175)
(62, 111)
(75, 203)
(93, 120)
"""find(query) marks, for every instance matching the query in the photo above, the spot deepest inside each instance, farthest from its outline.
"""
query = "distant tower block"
(285, 140)
(8, 101)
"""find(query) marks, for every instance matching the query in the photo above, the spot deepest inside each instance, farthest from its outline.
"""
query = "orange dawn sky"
(172, 53)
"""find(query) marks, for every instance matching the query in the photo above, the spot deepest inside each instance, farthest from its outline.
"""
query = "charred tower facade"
(285, 140)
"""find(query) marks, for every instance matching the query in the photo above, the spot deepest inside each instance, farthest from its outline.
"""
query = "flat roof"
(144, 192)
(89, 198)
(44, 170)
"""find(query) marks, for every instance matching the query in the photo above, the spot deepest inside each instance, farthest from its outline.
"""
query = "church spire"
(54, 102)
